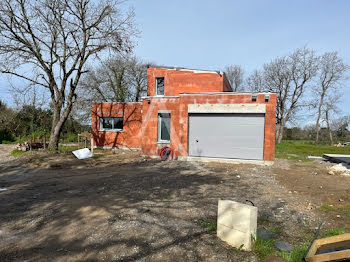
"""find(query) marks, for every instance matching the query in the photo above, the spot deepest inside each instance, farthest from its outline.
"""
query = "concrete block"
(237, 223)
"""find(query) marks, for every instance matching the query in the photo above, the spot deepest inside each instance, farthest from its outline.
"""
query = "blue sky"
(211, 34)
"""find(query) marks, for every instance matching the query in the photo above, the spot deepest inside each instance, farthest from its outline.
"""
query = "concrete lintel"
(226, 108)
(161, 97)
(226, 160)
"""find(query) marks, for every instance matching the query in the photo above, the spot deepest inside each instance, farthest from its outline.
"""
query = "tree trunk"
(318, 118)
(280, 132)
(59, 119)
(329, 129)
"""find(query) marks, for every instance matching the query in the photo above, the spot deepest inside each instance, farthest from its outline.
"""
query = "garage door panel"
(243, 142)
(227, 135)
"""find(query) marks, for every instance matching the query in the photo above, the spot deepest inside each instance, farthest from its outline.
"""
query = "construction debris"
(237, 223)
(339, 169)
(315, 157)
(82, 153)
(337, 158)
(336, 248)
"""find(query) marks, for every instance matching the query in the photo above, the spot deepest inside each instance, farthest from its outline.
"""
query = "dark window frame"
(102, 119)
(161, 117)
(157, 78)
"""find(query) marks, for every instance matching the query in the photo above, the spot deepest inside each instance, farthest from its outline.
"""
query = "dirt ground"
(121, 207)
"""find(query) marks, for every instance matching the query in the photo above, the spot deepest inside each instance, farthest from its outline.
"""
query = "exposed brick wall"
(178, 108)
(130, 137)
(185, 81)
(150, 125)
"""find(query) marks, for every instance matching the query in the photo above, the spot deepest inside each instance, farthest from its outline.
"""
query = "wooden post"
(85, 139)
(78, 141)
(92, 145)
(19, 140)
(44, 141)
(30, 145)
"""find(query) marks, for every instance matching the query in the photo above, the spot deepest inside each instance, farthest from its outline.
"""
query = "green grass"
(9, 142)
(329, 208)
(262, 248)
(67, 149)
(208, 224)
(297, 254)
(326, 207)
(346, 210)
(271, 229)
(17, 153)
(300, 149)
(334, 232)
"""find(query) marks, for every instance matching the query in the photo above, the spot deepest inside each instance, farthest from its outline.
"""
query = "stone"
(237, 223)
(264, 234)
(283, 246)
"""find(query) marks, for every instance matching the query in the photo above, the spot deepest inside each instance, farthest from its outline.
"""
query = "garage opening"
(239, 136)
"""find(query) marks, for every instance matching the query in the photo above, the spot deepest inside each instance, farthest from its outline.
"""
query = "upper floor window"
(111, 123)
(160, 86)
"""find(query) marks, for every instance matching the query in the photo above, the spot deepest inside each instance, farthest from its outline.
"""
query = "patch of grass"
(346, 210)
(297, 254)
(8, 142)
(208, 224)
(272, 229)
(67, 149)
(326, 207)
(262, 248)
(300, 149)
(342, 209)
(96, 156)
(17, 153)
(334, 232)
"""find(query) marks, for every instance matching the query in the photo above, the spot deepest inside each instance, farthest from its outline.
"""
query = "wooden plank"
(329, 240)
(329, 256)
(329, 243)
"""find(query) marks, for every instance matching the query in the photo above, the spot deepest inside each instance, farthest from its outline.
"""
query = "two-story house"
(195, 113)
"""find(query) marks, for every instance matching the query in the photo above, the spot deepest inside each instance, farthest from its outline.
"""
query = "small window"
(164, 127)
(111, 123)
(160, 86)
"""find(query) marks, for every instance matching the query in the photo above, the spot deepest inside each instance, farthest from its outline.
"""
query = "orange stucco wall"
(186, 81)
(178, 108)
(130, 137)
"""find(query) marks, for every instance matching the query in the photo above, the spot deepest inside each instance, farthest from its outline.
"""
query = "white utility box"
(237, 223)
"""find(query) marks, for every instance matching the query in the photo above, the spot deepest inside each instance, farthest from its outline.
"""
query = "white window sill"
(163, 142)
(111, 130)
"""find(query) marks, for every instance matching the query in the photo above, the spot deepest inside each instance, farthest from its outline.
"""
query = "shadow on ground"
(139, 210)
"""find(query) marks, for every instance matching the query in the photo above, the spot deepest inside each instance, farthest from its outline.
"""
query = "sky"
(212, 34)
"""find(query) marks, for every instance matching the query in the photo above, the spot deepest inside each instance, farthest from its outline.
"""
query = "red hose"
(165, 153)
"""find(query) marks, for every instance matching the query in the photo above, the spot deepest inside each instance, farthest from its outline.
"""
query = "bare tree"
(289, 76)
(235, 75)
(53, 40)
(255, 82)
(137, 76)
(119, 79)
(328, 109)
(332, 73)
(340, 126)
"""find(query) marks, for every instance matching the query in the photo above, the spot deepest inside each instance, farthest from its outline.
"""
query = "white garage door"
(227, 135)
